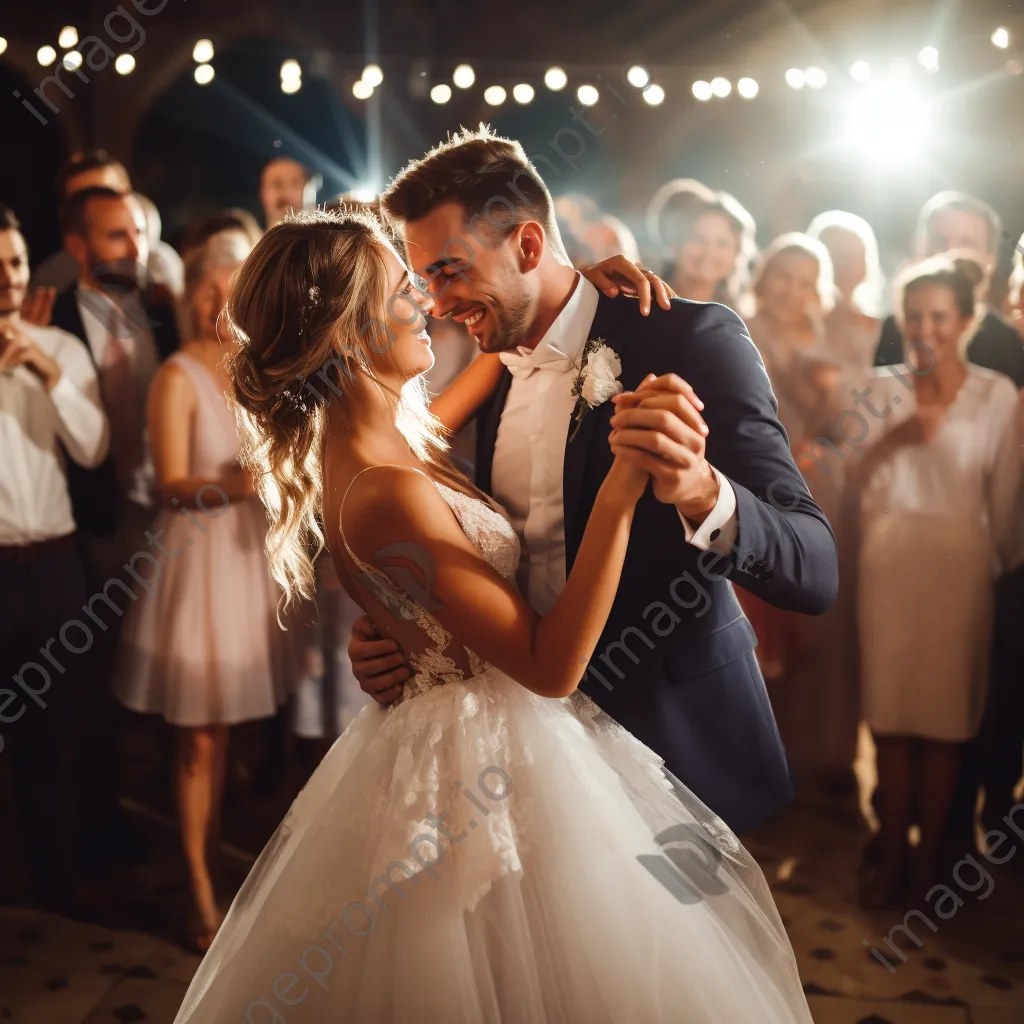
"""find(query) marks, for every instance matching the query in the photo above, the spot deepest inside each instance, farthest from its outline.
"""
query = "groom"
(675, 664)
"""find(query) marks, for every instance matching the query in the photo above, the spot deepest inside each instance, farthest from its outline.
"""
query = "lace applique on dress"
(492, 535)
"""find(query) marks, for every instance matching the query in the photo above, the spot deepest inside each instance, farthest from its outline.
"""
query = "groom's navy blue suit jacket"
(675, 664)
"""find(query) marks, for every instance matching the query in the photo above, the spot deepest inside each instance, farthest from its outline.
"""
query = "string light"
(747, 88)
(464, 76)
(204, 74)
(860, 71)
(702, 91)
(362, 90)
(795, 78)
(72, 60)
(587, 95)
(46, 55)
(928, 58)
(556, 79)
(202, 52)
(654, 95)
(721, 87)
(1001, 38)
(441, 93)
(522, 93)
(68, 38)
(372, 75)
(637, 76)
(125, 64)
(815, 78)
(494, 95)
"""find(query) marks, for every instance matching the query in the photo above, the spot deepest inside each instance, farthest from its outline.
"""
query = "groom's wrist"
(698, 507)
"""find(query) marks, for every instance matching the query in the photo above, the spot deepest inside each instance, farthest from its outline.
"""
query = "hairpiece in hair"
(307, 309)
(296, 399)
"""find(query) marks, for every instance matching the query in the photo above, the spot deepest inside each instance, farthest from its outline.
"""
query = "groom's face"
(474, 275)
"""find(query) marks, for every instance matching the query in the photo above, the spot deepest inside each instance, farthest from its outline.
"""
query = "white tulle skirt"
(482, 854)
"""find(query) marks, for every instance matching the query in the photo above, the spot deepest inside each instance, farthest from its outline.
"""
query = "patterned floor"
(970, 970)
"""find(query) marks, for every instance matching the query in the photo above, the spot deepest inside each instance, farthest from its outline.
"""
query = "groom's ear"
(531, 245)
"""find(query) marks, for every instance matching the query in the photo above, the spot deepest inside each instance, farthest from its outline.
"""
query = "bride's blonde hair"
(307, 308)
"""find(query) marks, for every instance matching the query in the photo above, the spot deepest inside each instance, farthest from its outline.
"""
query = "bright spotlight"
(125, 64)
(291, 70)
(464, 76)
(72, 60)
(555, 79)
(795, 78)
(1001, 38)
(522, 93)
(3, 44)
(494, 95)
(362, 90)
(654, 95)
(291, 85)
(68, 38)
(860, 71)
(441, 93)
(372, 75)
(202, 52)
(637, 76)
(747, 88)
(815, 78)
(888, 125)
(587, 95)
(702, 91)
(46, 55)
(364, 195)
(204, 74)
(721, 87)
(928, 58)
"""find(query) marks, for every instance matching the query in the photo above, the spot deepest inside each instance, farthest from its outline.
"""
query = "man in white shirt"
(50, 412)
(676, 665)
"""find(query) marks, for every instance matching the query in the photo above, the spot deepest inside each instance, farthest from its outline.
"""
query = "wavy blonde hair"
(308, 310)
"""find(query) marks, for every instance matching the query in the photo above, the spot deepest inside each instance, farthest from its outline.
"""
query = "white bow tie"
(523, 361)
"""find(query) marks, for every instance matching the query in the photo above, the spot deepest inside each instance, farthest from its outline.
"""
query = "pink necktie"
(120, 396)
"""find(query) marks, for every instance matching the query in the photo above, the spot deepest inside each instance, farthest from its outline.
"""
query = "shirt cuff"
(718, 531)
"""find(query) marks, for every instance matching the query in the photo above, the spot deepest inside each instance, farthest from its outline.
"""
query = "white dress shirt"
(34, 501)
(101, 317)
(529, 453)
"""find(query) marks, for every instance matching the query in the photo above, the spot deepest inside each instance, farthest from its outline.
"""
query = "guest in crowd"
(1015, 289)
(232, 219)
(50, 412)
(793, 292)
(940, 514)
(127, 332)
(94, 168)
(205, 650)
(707, 239)
(286, 185)
(852, 326)
(592, 235)
(953, 223)
(165, 269)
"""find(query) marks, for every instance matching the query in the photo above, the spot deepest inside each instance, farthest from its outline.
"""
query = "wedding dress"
(478, 854)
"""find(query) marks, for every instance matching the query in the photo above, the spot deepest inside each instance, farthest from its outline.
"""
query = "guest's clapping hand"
(18, 349)
(37, 307)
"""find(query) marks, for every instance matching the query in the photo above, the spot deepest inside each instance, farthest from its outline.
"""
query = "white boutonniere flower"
(596, 380)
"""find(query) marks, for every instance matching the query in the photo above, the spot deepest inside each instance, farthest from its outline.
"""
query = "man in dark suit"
(955, 222)
(675, 663)
(128, 328)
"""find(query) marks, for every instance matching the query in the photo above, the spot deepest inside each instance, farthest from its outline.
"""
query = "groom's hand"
(661, 421)
(378, 664)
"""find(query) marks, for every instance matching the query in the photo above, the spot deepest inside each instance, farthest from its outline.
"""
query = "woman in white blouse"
(940, 509)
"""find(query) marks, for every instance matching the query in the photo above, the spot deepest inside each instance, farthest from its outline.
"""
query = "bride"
(492, 848)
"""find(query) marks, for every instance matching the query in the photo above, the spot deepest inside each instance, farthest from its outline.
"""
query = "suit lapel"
(610, 313)
(487, 432)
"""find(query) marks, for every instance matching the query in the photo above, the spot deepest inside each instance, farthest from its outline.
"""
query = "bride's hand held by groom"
(661, 426)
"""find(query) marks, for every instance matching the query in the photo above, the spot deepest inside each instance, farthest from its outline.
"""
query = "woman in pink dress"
(204, 648)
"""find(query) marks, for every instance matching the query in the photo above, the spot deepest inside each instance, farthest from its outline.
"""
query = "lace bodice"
(405, 597)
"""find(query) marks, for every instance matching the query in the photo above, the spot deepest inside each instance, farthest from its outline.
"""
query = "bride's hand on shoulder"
(617, 274)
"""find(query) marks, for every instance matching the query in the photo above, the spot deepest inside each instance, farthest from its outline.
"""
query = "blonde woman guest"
(792, 291)
(707, 239)
(204, 650)
(852, 327)
(940, 517)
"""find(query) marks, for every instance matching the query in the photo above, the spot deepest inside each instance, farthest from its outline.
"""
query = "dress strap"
(341, 511)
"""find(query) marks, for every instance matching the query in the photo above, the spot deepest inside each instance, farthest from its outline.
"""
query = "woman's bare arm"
(170, 416)
(484, 612)
(460, 401)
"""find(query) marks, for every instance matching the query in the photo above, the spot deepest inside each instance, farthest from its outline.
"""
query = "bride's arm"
(484, 612)
(459, 402)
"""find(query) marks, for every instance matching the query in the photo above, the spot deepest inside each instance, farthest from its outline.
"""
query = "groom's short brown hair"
(489, 176)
